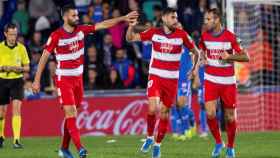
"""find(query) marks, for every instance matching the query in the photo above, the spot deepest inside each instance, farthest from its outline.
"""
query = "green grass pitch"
(248, 145)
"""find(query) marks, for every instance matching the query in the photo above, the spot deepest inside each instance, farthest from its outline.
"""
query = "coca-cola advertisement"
(97, 116)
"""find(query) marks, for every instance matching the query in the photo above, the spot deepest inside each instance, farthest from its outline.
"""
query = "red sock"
(163, 124)
(74, 132)
(151, 122)
(215, 130)
(66, 137)
(231, 132)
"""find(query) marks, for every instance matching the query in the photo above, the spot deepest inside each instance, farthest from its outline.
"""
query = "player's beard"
(170, 27)
(73, 23)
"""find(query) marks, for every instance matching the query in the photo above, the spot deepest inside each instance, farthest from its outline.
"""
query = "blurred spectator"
(133, 5)
(114, 81)
(36, 44)
(187, 14)
(93, 60)
(49, 82)
(157, 16)
(28, 94)
(117, 31)
(82, 5)
(106, 10)
(97, 11)
(148, 8)
(21, 39)
(86, 19)
(92, 80)
(39, 8)
(125, 68)
(35, 57)
(21, 17)
(146, 56)
(244, 29)
(261, 57)
(108, 50)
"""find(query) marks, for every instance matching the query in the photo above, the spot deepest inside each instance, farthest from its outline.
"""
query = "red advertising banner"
(123, 115)
(97, 116)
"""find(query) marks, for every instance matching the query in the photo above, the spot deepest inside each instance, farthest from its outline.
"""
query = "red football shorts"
(165, 89)
(227, 93)
(70, 90)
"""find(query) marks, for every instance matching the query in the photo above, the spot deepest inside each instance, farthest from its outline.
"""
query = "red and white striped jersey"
(216, 70)
(69, 49)
(166, 51)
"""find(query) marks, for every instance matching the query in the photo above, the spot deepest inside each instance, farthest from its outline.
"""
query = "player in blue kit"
(182, 118)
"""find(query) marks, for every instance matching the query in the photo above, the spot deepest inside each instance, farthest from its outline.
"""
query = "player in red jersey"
(67, 44)
(221, 49)
(167, 47)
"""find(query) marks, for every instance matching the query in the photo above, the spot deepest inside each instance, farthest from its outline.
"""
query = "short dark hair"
(66, 8)
(168, 11)
(216, 12)
(9, 26)
(157, 8)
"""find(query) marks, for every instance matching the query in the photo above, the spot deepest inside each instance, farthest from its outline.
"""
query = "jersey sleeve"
(236, 44)
(147, 34)
(201, 44)
(187, 41)
(25, 58)
(52, 43)
(87, 29)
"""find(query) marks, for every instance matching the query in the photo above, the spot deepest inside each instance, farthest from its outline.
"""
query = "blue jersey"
(184, 84)
(185, 65)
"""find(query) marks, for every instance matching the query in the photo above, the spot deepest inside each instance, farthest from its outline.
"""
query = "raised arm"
(111, 22)
(40, 69)
(131, 36)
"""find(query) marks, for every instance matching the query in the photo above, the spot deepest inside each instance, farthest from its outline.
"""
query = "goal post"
(257, 24)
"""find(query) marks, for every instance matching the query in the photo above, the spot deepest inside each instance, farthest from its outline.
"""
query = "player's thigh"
(153, 87)
(79, 93)
(169, 92)
(65, 92)
(211, 91)
(4, 92)
(228, 96)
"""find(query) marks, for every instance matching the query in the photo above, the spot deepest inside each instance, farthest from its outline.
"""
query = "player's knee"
(229, 117)
(70, 111)
(211, 114)
(152, 112)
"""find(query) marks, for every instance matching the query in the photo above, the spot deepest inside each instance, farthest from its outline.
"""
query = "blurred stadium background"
(116, 71)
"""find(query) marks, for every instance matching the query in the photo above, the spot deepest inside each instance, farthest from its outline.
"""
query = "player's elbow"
(246, 58)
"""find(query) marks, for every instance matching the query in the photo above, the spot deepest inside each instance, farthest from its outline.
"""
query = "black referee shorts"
(10, 89)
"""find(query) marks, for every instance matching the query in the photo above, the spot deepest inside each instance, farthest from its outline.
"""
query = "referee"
(14, 62)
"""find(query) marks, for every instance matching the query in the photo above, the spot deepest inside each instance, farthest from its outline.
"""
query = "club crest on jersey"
(74, 46)
(166, 47)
